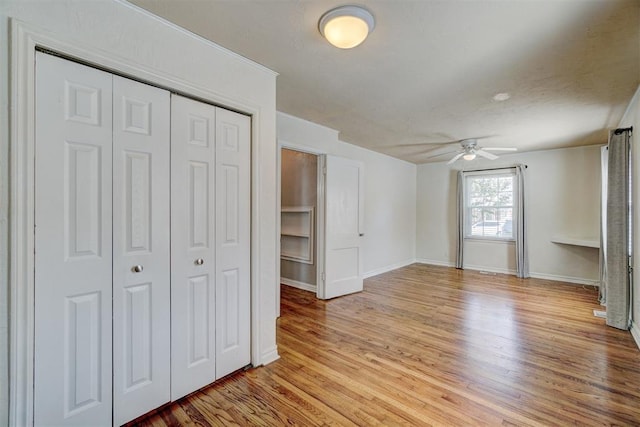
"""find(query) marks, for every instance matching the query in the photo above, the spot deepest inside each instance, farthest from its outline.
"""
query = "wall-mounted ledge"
(587, 243)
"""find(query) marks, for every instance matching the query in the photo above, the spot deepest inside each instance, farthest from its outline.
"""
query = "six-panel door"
(193, 266)
(141, 274)
(233, 239)
(104, 307)
(73, 258)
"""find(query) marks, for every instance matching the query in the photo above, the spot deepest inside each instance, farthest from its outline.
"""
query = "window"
(489, 204)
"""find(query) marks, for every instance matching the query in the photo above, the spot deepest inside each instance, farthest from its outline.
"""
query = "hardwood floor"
(426, 345)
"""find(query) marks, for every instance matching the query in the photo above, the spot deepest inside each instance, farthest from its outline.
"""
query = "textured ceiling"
(429, 70)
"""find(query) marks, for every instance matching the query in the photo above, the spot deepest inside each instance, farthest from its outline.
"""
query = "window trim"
(510, 171)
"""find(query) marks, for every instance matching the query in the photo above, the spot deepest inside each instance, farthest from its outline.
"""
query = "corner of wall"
(435, 262)
(388, 268)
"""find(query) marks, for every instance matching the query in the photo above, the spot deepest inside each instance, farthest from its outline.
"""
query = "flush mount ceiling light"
(346, 26)
(502, 96)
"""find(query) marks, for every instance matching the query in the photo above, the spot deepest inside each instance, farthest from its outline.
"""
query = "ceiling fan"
(470, 150)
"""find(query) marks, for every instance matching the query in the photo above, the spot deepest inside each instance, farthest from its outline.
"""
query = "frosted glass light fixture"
(346, 26)
(469, 156)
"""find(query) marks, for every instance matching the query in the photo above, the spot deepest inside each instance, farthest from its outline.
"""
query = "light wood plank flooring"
(426, 345)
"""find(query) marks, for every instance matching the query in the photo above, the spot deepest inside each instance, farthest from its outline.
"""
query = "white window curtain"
(618, 252)
(520, 232)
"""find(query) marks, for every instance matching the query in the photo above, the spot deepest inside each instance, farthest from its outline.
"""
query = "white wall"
(563, 199)
(390, 189)
(632, 118)
(119, 32)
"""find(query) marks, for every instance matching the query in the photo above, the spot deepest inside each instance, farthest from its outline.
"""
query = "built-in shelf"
(296, 234)
(574, 241)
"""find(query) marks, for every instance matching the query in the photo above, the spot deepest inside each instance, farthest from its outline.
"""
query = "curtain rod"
(492, 169)
(620, 130)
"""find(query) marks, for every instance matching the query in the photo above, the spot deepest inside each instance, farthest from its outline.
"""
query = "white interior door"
(193, 335)
(72, 244)
(343, 227)
(233, 235)
(141, 273)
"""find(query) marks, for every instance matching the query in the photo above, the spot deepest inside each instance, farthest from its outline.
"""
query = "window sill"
(490, 240)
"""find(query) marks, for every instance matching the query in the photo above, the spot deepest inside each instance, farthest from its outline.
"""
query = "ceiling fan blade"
(417, 144)
(455, 158)
(438, 155)
(499, 149)
(486, 155)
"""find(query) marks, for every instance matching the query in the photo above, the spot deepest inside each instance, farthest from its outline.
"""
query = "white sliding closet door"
(192, 245)
(72, 244)
(141, 273)
(233, 236)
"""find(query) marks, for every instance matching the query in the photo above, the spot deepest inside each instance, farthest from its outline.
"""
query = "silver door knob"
(199, 261)
(137, 268)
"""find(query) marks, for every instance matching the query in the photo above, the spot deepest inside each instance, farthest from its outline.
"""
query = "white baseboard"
(554, 277)
(269, 356)
(466, 267)
(497, 270)
(567, 279)
(389, 268)
(300, 285)
(635, 333)
(434, 262)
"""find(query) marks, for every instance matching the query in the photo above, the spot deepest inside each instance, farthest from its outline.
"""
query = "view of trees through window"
(489, 205)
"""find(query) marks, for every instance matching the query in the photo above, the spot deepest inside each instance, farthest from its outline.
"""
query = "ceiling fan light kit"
(471, 150)
(346, 27)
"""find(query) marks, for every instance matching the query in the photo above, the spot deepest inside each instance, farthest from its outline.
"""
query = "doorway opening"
(321, 223)
(301, 216)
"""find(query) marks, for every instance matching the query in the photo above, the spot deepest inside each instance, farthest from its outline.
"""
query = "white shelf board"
(294, 233)
(574, 241)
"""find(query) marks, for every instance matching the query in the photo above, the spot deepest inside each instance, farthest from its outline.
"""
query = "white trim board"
(299, 285)
(566, 279)
(495, 270)
(544, 276)
(270, 355)
(635, 333)
(299, 147)
(435, 262)
(388, 268)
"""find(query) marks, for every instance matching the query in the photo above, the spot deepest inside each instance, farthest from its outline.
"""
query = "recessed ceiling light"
(346, 26)
(502, 96)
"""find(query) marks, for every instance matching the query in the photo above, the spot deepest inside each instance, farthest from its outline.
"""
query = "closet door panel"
(72, 244)
(141, 272)
(233, 228)
(192, 245)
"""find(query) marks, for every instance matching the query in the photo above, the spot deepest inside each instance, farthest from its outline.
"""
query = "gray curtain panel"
(460, 219)
(604, 165)
(617, 243)
(522, 239)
